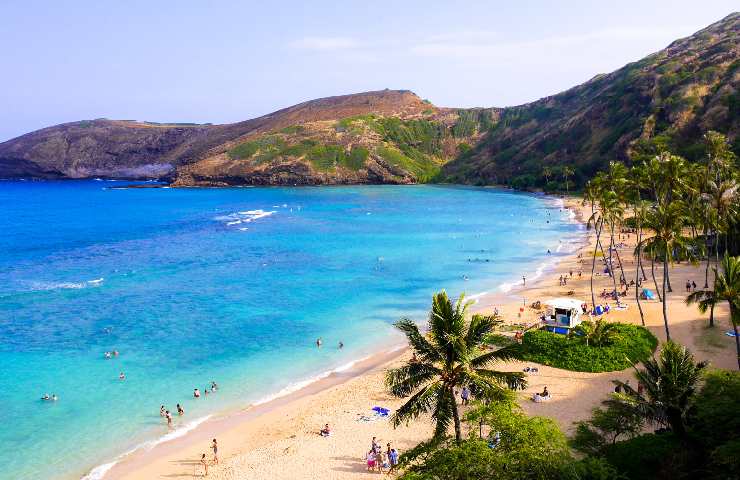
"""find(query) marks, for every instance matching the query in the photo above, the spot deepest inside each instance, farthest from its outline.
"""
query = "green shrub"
(356, 158)
(243, 150)
(632, 344)
(643, 457)
(326, 157)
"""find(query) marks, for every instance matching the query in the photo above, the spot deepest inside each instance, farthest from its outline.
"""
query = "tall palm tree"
(547, 173)
(726, 289)
(720, 208)
(567, 172)
(669, 382)
(667, 224)
(449, 357)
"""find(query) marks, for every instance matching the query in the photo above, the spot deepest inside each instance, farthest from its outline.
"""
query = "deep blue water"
(194, 285)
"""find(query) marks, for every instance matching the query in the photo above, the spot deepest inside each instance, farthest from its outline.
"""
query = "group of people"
(320, 342)
(212, 389)
(111, 354)
(163, 412)
(690, 286)
(379, 460)
(204, 462)
(541, 396)
(49, 398)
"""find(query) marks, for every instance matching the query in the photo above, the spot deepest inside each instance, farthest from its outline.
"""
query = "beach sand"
(279, 440)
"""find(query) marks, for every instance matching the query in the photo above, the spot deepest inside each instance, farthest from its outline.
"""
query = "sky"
(226, 61)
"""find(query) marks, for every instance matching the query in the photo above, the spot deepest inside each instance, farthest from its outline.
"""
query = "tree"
(667, 222)
(606, 427)
(669, 382)
(448, 358)
(547, 173)
(567, 172)
(726, 289)
(598, 334)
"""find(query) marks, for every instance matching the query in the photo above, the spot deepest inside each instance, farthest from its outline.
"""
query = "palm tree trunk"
(611, 264)
(637, 277)
(665, 300)
(652, 271)
(593, 267)
(455, 416)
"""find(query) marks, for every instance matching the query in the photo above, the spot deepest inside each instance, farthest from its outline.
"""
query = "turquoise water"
(194, 285)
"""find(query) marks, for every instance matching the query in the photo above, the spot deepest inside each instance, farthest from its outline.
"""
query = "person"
(107, 354)
(196, 393)
(465, 395)
(524, 280)
(375, 446)
(370, 460)
(206, 391)
(545, 393)
(341, 345)
(381, 461)
(318, 342)
(640, 388)
(693, 285)
(393, 458)
(168, 415)
(548, 251)
(214, 447)
(54, 397)
(413, 358)
(45, 397)
(121, 376)
(180, 410)
(326, 431)
(688, 286)
(205, 464)
(162, 410)
(115, 353)
(571, 273)
(618, 389)
(214, 386)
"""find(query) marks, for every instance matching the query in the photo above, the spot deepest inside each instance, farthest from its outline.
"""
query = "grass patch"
(632, 344)
(422, 166)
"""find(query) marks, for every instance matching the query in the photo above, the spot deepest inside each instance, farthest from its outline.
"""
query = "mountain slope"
(392, 136)
(388, 136)
(675, 95)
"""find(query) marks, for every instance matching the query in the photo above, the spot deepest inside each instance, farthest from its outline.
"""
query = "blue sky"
(222, 61)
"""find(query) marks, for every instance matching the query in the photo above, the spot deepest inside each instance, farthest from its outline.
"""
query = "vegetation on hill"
(670, 97)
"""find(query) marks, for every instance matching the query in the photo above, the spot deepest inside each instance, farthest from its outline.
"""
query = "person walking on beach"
(465, 395)
(393, 459)
(214, 447)
(205, 464)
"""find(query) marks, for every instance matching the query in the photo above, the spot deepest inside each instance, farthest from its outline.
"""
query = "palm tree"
(547, 173)
(447, 358)
(669, 382)
(667, 223)
(720, 202)
(567, 172)
(598, 334)
(726, 289)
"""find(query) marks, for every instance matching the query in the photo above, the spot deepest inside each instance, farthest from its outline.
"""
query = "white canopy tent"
(563, 313)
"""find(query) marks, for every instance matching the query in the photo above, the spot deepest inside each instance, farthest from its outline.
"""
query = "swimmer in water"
(107, 354)
(121, 376)
(180, 410)
(341, 345)
(318, 342)
(162, 410)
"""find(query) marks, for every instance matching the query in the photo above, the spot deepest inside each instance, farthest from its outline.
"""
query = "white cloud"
(324, 43)
(487, 44)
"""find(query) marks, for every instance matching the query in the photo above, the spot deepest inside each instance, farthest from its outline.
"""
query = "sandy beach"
(279, 439)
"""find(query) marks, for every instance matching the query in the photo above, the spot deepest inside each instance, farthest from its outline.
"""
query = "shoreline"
(130, 463)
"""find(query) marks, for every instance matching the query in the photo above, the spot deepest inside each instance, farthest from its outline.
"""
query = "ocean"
(227, 285)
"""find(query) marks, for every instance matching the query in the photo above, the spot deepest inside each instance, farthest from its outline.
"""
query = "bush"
(632, 344)
(647, 457)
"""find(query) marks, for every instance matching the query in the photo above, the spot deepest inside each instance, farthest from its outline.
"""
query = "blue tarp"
(648, 294)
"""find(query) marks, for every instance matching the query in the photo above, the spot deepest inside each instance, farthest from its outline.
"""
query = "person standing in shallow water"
(318, 342)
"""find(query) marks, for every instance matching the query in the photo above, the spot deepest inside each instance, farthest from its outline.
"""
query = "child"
(371, 460)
